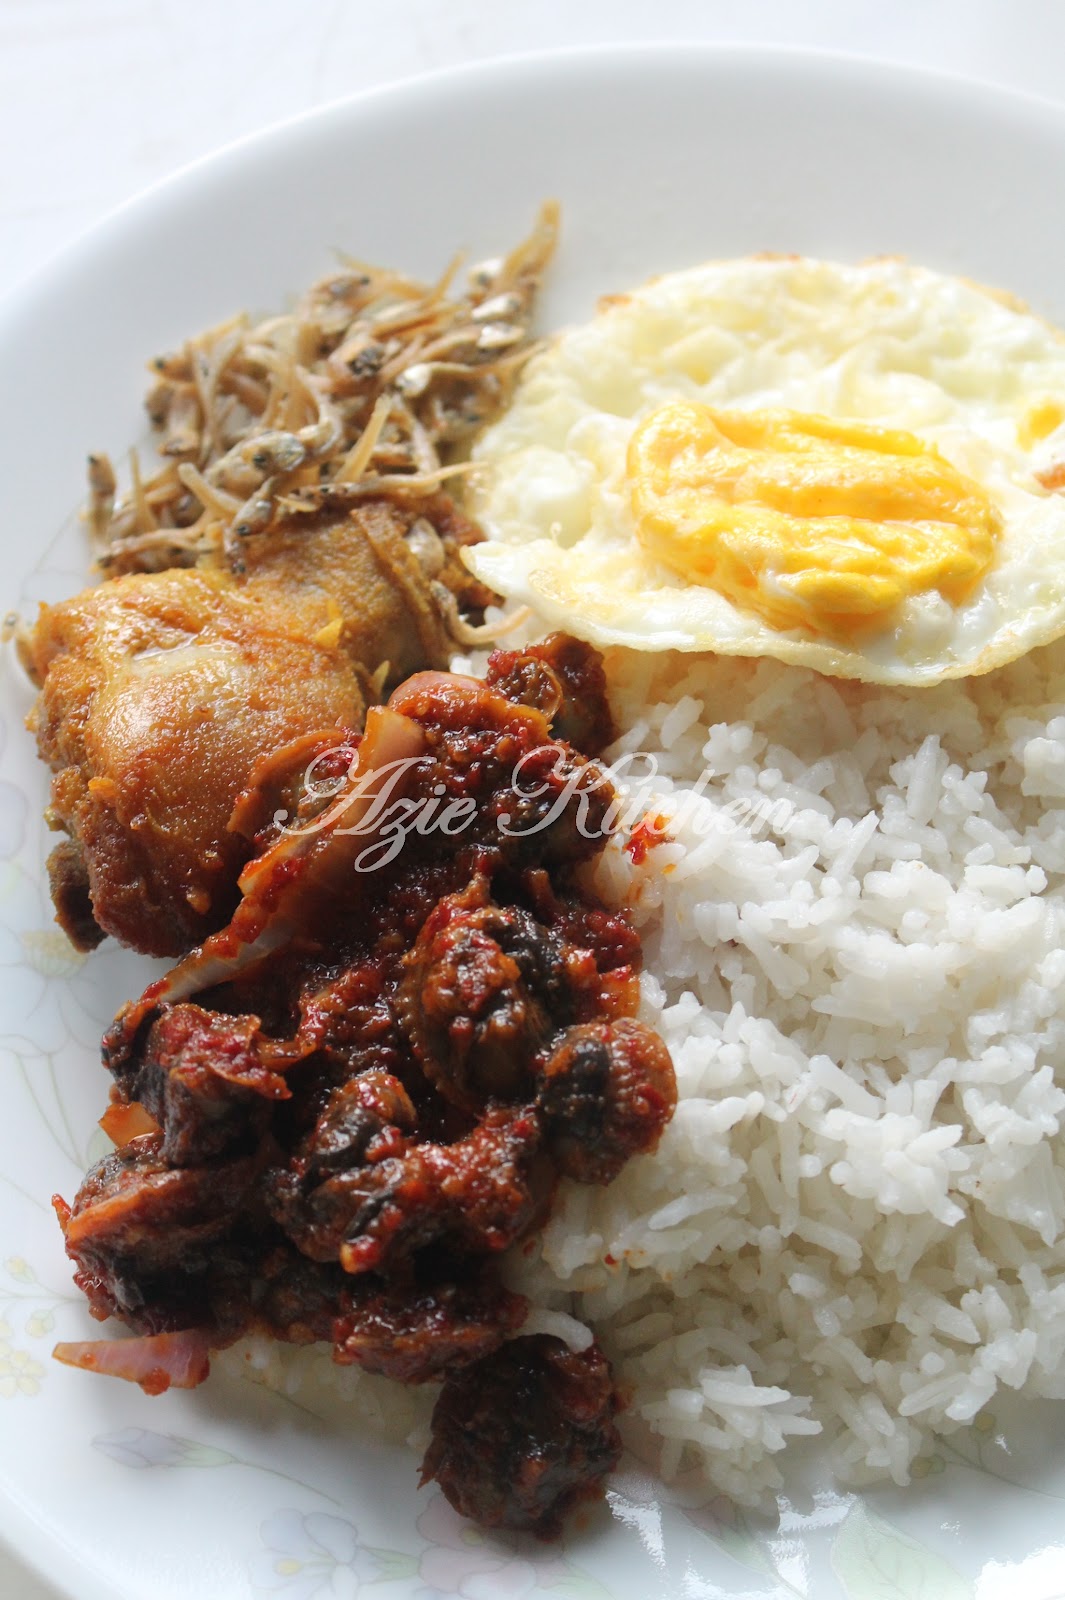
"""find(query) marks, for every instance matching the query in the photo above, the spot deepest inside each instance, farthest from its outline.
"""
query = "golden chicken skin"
(289, 557)
(162, 693)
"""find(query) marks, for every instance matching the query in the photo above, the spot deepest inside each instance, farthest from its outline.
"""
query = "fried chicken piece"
(523, 1436)
(68, 884)
(160, 692)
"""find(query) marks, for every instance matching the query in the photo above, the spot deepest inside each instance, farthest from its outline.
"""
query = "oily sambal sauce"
(335, 1115)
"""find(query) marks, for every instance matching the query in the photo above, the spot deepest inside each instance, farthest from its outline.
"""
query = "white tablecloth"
(100, 98)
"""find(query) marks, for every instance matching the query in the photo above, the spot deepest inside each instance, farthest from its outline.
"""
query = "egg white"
(882, 342)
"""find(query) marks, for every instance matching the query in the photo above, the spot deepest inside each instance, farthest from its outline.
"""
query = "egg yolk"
(1039, 421)
(808, 521)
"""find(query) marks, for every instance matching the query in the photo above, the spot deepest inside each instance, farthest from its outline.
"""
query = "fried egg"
(855, 468)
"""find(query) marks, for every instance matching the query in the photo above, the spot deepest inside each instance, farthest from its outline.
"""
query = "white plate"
(660, 157)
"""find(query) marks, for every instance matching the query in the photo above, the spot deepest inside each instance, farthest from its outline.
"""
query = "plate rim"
(21, 1533)
(35, 284)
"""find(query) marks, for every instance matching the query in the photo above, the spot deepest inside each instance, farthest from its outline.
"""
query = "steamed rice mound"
(855, 1225)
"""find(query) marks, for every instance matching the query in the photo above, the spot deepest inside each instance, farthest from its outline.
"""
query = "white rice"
(855, 949)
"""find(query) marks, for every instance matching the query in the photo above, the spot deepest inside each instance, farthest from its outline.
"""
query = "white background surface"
(100, 98)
